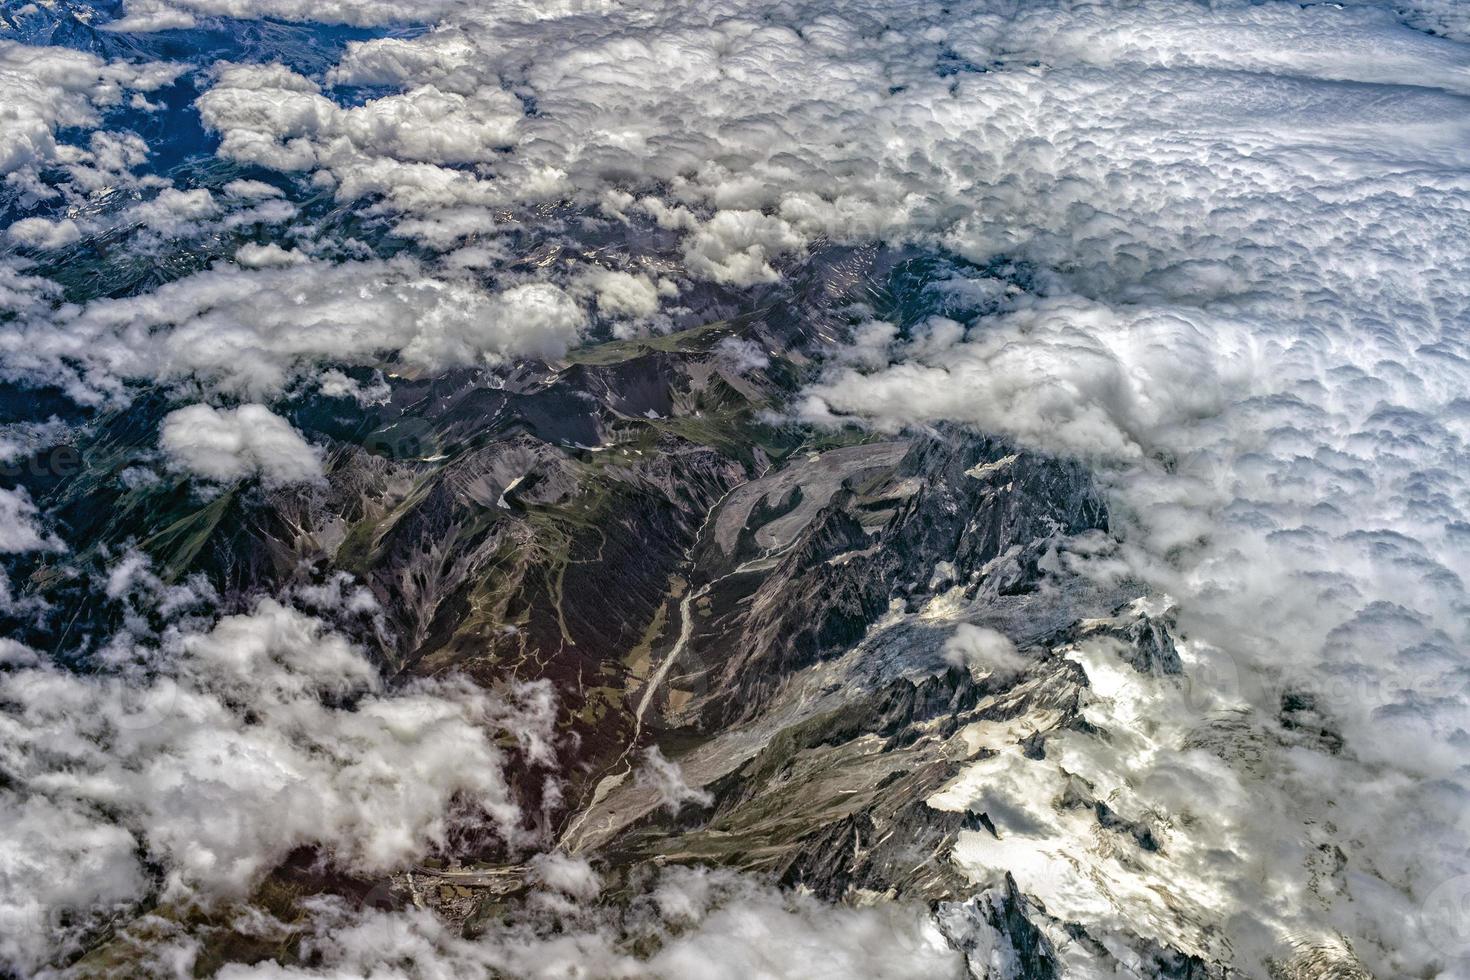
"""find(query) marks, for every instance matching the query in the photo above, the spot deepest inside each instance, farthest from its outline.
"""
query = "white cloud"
(174, 212)
(741, 356)
(43, 233)
(667, 780)
(253, 256)
(20, 525)
(1241, 229)
(738, 246)
(161, 15)
(1068, 374)
(252, 332)
(622, 294)
(251, 189)
(572, 876)
(983, 651)
(231, 747)
(535, 319)
(277, 118)
(335, 384)
(54, 88)
(235, 443)
(407, 146)
(728, 928)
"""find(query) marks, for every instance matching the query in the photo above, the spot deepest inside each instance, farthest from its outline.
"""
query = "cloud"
(54, 88)
(738, 246)
(274, 117)
(667, 780)
(721, 925)
(872, 142)
(1216, 250)
(335, 384)
(983, 651)
(42, 233)
(623, 294)
(252, 332)
(409, 147)
(174, 212)
(236, 443)
(20, 525)
(251, 190)
(220, 752)
(741, 356)
(254, 256)
(162, 15)
(1067, 374)
(572, 876)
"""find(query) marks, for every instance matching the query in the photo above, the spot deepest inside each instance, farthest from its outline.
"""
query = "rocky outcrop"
(995, 933)
(984, 514)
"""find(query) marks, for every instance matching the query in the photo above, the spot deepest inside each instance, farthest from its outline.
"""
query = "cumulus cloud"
(20, 525)
(252, 332)
(54, 88)
(623, 294)
(274, 117)
(738, 247)
(1068, 374)
(252, 190)
(173, 212)
(335, 384)
(235, 443)
(227, 748)
(983, 651)
(43, 233)
(409, 147)
(254, 256)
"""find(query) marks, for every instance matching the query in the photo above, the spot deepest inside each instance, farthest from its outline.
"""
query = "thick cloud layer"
(160, 15)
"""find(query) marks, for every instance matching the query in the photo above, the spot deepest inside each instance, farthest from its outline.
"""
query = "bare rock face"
(995, 932)
(985, 514)
(1320, 960)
